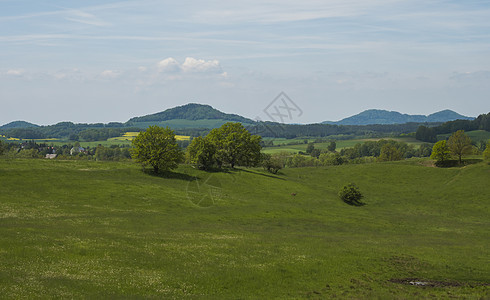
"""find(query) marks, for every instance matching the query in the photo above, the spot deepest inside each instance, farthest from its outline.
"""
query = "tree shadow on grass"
(455, 163)
(170, 175)
(355, 203)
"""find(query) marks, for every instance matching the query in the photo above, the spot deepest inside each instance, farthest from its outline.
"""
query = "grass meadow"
(73, 229)
(281, 145)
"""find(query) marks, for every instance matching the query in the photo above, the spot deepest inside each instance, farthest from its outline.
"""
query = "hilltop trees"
(230, 145)
(459, 144)
(157, 147)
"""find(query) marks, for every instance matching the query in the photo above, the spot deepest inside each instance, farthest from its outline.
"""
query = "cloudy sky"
(101, 61)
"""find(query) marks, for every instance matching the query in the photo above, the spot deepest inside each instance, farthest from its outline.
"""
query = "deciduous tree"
(201, 152)
(235, 146)
(440, 152)
(157, 147)
(390, 152)
(459, 144)
(310, 148)
(486, 153)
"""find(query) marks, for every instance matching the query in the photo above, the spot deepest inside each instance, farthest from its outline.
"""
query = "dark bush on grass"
(351, 195)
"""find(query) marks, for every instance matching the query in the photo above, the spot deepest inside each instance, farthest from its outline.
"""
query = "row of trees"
(230, 145)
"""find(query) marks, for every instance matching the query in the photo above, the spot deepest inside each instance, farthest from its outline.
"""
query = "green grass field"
(284, 147)
(72, 229)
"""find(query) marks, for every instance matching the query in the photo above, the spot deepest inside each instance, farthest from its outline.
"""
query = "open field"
(284, 147)
(76, 228)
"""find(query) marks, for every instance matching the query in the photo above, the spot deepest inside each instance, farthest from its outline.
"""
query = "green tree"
(332, 146)
(235, 146)
(310, 148)
(486, 153)
(1, 148)
(426, 134)
(331, 159)
(315, 153)
(440, 152)
(157, 147)
(272, 163)
(201, 152)
(424, 150)
(459, 144)
(390, 152)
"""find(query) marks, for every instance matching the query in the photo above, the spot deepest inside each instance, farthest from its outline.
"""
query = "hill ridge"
(381, 116)
(190, 111)
(18, 124)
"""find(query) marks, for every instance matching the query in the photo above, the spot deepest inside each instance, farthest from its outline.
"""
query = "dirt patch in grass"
(434, 283)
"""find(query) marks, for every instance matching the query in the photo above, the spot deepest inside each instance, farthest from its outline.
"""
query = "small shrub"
(351, 195)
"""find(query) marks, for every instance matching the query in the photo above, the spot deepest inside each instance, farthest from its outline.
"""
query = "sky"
(108, 61)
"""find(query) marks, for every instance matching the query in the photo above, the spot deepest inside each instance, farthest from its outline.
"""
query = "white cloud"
(169, 65)
(199, 65)
(15, 72)
(191, 65)
(110, 74)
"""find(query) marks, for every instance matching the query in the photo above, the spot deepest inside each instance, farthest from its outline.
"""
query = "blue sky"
(102, 61)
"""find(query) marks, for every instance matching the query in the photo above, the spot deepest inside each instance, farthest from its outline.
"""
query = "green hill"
(198, 116)
(18, 124)
(377, 116)
(83, 229)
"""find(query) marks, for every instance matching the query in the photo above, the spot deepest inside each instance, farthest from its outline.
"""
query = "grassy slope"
(71, 228)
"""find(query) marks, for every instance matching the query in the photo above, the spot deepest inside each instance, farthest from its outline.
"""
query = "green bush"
(272, 163)
(351, 195)
(486, 153)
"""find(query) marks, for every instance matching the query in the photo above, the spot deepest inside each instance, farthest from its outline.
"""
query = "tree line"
(429, 134)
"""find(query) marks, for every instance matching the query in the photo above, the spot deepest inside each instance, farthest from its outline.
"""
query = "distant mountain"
(191, 113)
(377, 116)
(18, 124)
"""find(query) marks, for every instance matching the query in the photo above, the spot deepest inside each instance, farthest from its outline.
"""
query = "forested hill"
(191, 111)
(18, 124)
(377, 116)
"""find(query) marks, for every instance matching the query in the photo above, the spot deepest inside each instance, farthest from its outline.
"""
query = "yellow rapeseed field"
(129, 136)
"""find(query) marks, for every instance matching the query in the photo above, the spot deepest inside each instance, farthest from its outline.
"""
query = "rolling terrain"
(72, 229)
